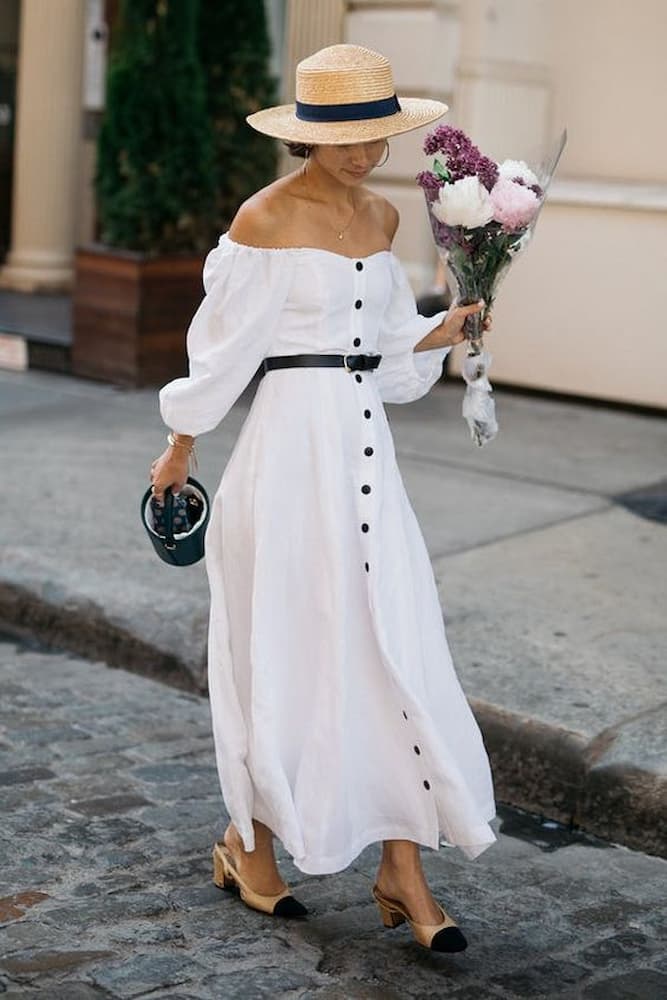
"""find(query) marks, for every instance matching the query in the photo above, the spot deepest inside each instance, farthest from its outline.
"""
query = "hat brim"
(281, 123)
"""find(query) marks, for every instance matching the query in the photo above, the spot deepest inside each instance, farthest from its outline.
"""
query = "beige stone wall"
(582, 312)
(610, 85)
(421, 39)
(310, 26)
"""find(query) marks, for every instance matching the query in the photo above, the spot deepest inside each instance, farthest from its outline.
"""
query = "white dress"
(337, 715)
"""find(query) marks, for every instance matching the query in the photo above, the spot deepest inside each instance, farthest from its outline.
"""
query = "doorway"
(9, 33)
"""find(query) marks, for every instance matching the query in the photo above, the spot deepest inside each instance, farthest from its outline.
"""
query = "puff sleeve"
(231, 331)
(404, 375)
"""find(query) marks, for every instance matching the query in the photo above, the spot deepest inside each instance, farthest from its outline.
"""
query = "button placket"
(366, 495)
(417, 751)
(359, 292)
(366, 487)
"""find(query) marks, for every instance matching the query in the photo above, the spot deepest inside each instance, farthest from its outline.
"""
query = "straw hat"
(345, 94)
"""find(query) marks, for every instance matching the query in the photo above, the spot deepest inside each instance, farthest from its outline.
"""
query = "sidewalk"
(553, 594)
(110, 805)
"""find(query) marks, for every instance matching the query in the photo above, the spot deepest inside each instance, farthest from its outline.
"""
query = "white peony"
(464, 203)
(517, 168)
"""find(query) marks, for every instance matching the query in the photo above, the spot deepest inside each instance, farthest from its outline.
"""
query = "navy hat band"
(347, 112)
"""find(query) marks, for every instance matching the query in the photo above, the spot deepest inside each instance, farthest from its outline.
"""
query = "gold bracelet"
(171, 438)
(190, 448)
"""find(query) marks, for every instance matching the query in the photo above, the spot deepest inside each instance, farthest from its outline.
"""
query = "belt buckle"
(345, 364)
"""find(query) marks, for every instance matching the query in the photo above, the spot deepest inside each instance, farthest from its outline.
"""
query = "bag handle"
(169, 542)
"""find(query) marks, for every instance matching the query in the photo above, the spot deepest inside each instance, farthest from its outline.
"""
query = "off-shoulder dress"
(337, 714)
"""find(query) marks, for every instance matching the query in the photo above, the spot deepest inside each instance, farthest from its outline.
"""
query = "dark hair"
(301, 149)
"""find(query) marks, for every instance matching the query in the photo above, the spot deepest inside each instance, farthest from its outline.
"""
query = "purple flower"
(446, 139)
(462, 157)
(447, 237)
(487, 171)
(430, 184)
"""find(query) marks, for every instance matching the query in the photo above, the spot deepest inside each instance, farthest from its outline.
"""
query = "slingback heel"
(225, 876)
(220, 876)
(445, 936)
(390, 918)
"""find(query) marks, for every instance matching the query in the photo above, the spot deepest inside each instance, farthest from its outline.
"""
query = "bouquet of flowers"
(482, 214)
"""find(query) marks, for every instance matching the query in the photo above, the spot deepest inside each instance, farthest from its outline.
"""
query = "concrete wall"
(610, 84)
(582, 312)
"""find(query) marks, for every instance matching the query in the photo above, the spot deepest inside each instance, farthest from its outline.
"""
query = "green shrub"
(175, 154)
(155, 171)
(234, 49)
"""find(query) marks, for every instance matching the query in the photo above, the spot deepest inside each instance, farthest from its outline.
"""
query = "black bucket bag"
(177, 528)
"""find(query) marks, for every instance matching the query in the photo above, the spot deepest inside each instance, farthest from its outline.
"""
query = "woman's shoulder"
(383, 212)
(263, 214)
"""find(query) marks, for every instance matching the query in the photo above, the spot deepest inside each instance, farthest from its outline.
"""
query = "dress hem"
(331, 864)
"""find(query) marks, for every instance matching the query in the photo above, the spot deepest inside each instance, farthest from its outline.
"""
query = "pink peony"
(514, 205)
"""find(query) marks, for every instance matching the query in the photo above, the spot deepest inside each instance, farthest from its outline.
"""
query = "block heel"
(445, 936)
(390, 918)
(225, 876)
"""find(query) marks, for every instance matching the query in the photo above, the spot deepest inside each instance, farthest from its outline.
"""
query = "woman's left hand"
(452, 325)
(169, 470)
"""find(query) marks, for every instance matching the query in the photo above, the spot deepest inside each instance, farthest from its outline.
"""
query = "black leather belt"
(351, 362)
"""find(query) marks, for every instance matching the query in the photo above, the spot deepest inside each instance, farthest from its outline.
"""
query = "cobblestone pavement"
(110, 803)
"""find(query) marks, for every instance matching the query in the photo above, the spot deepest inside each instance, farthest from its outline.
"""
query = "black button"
(366, 567)
(365, 488)
(359, 266)
(416, 750)
(426, 785)
(358, 304)
(357, 341)
(405, 714)
(367, 414)
(368, 451)
(364, 527)
(358, 377)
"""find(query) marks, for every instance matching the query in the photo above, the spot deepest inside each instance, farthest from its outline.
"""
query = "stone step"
(35, 331)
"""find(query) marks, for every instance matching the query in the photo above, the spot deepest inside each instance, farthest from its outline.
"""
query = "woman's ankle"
(401, 857)
(263, 836)
(263, 841)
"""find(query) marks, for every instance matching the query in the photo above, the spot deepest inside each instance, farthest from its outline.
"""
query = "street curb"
(546, 770)
(84, 630)
(536, 767)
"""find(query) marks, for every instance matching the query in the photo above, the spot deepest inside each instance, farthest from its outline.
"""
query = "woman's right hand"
(170, 469)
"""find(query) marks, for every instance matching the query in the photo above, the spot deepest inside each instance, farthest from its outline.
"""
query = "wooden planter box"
(131, 313)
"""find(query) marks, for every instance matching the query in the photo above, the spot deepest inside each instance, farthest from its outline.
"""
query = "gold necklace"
(340, 233)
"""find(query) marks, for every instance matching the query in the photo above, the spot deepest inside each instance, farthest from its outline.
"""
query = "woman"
(338, 718)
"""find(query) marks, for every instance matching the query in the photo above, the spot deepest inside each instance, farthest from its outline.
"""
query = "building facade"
(580, 312)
